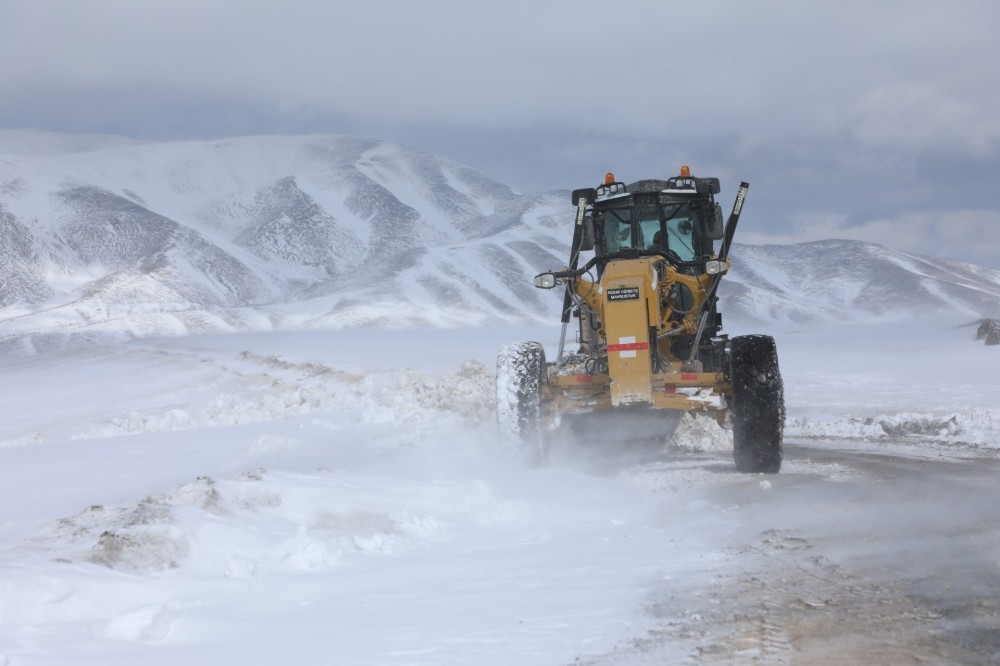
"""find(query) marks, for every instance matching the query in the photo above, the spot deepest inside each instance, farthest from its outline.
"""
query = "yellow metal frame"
(633, 302)
(574, 394)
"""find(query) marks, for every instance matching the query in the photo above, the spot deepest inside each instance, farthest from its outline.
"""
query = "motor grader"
(649, 341)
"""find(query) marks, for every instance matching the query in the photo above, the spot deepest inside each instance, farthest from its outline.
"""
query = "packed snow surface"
(342, 497)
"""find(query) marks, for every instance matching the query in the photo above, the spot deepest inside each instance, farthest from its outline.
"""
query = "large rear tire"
(758, 404)
(521, 373)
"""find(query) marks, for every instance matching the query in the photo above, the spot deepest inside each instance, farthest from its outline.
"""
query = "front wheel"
(758, 404)
(521, 373)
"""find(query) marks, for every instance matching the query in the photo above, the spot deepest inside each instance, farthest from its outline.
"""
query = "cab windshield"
(671, 227)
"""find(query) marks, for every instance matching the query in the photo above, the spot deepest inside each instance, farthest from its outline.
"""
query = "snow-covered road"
(847, 557)
(302, 498)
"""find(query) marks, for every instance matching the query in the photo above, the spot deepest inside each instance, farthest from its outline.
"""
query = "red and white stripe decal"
(627, 346)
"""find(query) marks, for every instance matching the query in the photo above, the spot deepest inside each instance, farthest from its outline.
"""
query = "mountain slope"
(152, 238)
(851, 280)
(111, 237)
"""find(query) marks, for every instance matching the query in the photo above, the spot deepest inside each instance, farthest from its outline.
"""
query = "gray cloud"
(863, 111)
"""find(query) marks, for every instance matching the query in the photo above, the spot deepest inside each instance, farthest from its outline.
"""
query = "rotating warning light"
(685, 171)
(609, 178)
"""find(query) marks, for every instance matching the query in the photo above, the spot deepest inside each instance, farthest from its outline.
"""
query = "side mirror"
(713, 224)
(588, 193)
(707, 185)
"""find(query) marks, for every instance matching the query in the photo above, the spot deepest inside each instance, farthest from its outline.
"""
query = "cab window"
(616, 230)
(651, 236)
(680, 237)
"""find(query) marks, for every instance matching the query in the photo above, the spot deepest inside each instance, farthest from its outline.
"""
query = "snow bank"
(274, 389)
(978, 428)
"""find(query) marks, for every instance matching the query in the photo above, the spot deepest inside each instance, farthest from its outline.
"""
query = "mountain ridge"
(845, 279)
(114, 238)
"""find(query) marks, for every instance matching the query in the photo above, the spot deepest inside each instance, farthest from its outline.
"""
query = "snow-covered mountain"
(851, 281)
(108, 236)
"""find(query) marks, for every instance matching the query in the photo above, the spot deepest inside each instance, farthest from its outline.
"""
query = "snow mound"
(149, 622)
(700, 433)
(238, 528)
(142, 538)
(284, 390)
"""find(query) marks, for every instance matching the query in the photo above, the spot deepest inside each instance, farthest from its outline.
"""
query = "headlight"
(714, 267)
(545, 281)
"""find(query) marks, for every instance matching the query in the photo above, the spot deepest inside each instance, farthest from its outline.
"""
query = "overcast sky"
(876, 120)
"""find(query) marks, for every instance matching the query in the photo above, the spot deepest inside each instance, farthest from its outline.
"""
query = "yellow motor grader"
(649, 340)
